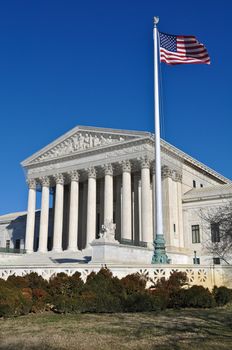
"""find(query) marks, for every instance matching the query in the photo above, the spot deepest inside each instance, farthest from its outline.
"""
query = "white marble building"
(91, 176)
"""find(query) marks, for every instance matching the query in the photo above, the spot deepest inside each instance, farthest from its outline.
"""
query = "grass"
(169, 330)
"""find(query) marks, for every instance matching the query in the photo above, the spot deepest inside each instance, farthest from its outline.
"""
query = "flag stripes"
(182, 49)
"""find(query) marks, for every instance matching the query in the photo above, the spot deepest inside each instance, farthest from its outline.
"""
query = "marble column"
(136, 209)
(30, 226)
(58, 218)
(108, 194)
(73, 212)
(126, 233)
(118, 208)
(91, 207)
(146, 225)
(44, 215)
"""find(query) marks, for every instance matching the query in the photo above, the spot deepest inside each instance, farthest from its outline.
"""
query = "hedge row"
(102, 292)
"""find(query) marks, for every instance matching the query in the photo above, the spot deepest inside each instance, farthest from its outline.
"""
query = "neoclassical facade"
(92, 176)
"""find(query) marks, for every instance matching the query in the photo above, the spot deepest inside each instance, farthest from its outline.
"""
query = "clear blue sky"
(64, 63)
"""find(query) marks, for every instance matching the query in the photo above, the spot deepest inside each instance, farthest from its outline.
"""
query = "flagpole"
(159, 242)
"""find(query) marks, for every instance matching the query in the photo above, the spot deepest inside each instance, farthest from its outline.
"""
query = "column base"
(42, 251)
(29, 251)
(57, 250)
(160, 256)
(72, 250)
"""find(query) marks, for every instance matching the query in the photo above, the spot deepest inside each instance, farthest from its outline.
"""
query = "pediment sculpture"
(79, 142)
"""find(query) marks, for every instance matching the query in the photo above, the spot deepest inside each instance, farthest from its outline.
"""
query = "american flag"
(182, 49)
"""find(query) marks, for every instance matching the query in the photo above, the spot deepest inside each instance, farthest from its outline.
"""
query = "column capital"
(176, 176)
(74, 175)
(126, 166)
(92, 172)
(45, 181)
(59, 179)
(31, 183)
(108, 169)
(166, 171)
(145, 163)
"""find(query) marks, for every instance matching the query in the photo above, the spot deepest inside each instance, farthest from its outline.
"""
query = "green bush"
(169, 292)
(197, 296)
(62, 284)
(18, 281)
(13, 302)
(35, 281)
(142, 302)
(222, 295)
(133, 283)
(101, 293)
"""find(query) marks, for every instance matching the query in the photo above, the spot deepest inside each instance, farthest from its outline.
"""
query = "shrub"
(101, 293)
(35, 281)
(169, 291)
(13, 302)
(197, 296)
(142, 302)
(222, 295)
(133, 283)
(17, 281)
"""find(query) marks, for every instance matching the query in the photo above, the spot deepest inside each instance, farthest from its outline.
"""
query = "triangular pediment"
(82, 139)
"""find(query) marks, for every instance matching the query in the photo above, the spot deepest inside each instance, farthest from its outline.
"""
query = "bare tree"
(218, 223)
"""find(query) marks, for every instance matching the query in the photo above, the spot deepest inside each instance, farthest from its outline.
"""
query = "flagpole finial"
(156, 20)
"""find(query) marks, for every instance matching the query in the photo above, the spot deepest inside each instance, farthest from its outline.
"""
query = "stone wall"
(207, 276)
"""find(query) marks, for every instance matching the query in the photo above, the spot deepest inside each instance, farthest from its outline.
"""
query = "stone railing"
(207, 276)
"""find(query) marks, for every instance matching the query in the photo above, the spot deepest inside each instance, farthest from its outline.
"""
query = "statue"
(108, 231)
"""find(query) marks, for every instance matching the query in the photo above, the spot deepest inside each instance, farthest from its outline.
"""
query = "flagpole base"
(160, 256)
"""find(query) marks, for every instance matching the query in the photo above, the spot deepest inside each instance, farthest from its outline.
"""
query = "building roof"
(211, 192)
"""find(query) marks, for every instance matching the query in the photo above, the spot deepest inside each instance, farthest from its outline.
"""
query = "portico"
(117, 198)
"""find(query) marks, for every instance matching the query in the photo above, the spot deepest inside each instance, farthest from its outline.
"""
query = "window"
(174, 228)
(215, 233)
(201, 185)
(17, 244)
(194, 183)
(196, 261)
(195, 234)
(216, 261)
(7, 245)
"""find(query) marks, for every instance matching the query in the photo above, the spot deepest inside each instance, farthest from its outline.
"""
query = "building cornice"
(135, 138)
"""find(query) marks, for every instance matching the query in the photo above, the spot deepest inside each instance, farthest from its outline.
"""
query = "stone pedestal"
(108, 252)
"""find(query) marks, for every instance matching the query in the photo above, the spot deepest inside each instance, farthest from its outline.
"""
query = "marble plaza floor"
(45, 259)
